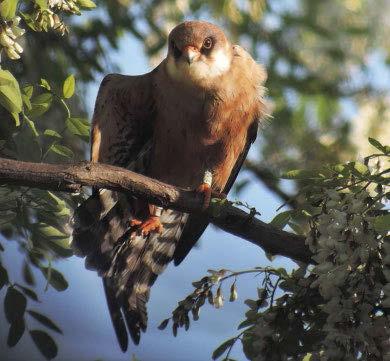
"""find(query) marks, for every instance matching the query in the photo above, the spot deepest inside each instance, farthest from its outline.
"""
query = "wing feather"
(196, 224)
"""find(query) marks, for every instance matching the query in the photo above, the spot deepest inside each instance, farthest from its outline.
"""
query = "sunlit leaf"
(86, 4)
(10, 96)
(68, 86)
(52, 133)
(62, 150)
(8, 9)
(78, 126)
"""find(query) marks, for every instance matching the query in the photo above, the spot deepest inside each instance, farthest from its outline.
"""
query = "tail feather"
(128, 263)
(116, 316)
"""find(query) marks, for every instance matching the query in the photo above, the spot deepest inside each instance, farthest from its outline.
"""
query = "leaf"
(378, 145)
(14, 305)
(10, 96)
(55, 278)
(3, 277)
(45, 344)
(281, 219)
(40, 104)
(307, 357)
(78, 126)
(68, 87)
(28, 90)
(44, 320)
(222, 348)
(28, 292)
(300, 174)
(8, 9)
(31, 125)
(16, 331)
(163, 324)
(360, 167)
(382, 223)
(45, 84)
(52, 133)
(86, 4)
(62, 150)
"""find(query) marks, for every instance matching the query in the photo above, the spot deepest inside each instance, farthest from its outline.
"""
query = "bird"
(190, 123)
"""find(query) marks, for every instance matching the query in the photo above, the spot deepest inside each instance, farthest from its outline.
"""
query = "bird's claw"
(152, 224)
(206, 190)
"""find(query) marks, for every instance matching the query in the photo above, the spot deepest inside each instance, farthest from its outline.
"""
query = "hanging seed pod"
(233, 292)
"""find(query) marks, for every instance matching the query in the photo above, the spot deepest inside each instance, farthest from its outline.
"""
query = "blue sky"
(81, 310)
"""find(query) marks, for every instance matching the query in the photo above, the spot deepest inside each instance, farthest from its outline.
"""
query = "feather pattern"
(161, 126)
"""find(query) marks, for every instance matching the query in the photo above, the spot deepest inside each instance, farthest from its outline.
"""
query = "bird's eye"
(207, 44)
(176, 51)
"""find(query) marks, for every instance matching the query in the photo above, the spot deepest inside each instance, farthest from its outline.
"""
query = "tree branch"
(71, 177)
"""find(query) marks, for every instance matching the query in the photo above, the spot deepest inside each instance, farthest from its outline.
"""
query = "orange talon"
(152, 224)
(206, 190)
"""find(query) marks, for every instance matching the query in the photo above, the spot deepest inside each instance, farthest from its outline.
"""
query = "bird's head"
(198, 52)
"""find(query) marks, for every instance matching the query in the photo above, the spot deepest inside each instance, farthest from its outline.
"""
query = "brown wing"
(121, 135)
(196, 225)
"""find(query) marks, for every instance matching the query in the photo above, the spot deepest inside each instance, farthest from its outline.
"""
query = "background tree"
(327, 66)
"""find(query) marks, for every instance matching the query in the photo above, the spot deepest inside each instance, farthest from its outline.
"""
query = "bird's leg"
(151, 224)
(205, 189)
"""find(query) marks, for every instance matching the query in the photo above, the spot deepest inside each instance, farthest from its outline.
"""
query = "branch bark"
(71, 177)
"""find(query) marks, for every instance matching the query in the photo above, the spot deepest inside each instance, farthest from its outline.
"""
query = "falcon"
(190, 122)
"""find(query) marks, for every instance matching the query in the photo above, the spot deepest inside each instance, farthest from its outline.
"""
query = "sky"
(81, 310)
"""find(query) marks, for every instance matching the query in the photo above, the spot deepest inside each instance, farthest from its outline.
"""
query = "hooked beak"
(190, 53)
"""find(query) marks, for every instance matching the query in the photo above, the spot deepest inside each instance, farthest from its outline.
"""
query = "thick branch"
(71, 177)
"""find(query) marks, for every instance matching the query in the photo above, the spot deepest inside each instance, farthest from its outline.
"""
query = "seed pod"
(12, 54)
(18, 48)
(233, 292)
(5, 40)
(218, 299)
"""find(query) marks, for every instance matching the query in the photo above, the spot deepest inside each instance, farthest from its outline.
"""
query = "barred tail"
(129, 264)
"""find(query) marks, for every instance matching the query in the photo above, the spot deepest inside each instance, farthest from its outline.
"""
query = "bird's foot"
(206, 191)
(152, 224)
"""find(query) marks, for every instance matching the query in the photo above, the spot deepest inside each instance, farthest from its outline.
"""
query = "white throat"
(200, 70)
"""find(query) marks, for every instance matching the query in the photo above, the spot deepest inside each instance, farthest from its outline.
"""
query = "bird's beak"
(190, 53)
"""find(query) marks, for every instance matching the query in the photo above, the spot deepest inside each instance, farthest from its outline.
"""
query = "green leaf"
(382, 223)
(3, 277)
(16, 331)
(52, 133)
(245, 323)
(78, 126)
(31, 125)
(86, 4)
(62, 150)
(55, 278)
(281, 219)
(378, 145)
(8, 9)
(300, 174)
(68, 87)
(41, 3)
(10, 96)
(28, 292)
(14, 305)
(222, 348)
(307, 357)
(40, 104)
(45, 84)
(44, 320)
(359, 167)
(45, 344)
(28, 90)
